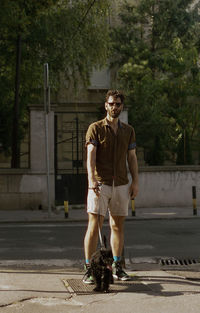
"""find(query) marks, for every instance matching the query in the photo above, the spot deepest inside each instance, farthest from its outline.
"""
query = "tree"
(70, 35)
(158, 68)
(184, 150)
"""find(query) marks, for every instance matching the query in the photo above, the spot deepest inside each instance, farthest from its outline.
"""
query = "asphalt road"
(63, 242)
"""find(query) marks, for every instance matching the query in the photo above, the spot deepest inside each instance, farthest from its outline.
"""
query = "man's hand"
(133, 190)
(93, 184)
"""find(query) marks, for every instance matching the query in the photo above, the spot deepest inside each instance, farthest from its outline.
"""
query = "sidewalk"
(63, 291)
(79, 214)
(49, 290)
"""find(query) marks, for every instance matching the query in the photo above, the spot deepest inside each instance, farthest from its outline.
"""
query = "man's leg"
(117, 244)
(91, 237)
(90, 243)
(96, 207)
(117, 234)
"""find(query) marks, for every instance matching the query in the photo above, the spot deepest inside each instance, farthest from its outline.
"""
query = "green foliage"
(158, 69)
(71, 36)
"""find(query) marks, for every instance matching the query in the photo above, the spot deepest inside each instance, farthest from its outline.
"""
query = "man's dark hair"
(115, 94)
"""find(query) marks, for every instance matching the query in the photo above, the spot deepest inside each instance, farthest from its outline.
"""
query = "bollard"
(194, 200)
(66, 207)
(66, 202)
(133, 206)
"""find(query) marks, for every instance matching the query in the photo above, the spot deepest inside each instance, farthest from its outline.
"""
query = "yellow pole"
(66, 207)
(133, 206)
(194, 200)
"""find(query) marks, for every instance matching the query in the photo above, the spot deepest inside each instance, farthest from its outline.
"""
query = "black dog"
(101, 267)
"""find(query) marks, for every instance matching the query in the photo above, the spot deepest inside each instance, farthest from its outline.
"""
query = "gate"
(70, 156)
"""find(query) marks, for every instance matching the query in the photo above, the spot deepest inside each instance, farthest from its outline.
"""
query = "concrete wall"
(168, 186)
(27, 188)
(20, 189)
(158, 187)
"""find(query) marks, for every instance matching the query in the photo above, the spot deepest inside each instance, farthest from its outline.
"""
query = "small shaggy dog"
(101, 266)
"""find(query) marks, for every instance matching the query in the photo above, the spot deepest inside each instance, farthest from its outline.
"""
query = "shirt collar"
(120, 125)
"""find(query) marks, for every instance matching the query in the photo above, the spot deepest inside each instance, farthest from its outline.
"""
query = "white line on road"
(56, 225)
(140, 247)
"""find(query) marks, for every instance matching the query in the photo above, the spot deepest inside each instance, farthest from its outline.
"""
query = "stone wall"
(158, 187)
(20, 189)
(168, 186)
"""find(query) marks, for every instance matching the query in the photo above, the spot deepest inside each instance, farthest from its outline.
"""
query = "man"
(110, 143)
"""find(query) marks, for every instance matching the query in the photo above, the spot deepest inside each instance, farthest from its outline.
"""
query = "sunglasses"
(118, 104)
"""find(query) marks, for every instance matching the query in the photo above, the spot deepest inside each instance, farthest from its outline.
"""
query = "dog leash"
(102, 245)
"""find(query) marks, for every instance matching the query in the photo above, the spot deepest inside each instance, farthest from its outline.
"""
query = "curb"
(68, 220)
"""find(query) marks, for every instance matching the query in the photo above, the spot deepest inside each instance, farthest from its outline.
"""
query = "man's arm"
(133, 167)
(91, 164)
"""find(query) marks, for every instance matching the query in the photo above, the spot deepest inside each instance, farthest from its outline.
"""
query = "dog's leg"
(97, 275)
(111, 279)
(106, 280)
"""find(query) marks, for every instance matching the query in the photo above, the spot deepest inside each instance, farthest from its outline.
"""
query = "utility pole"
(46, 111)
(77, 146)
(15, 161)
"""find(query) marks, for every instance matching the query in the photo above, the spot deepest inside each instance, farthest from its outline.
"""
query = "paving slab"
(19, 286)
(49, 292)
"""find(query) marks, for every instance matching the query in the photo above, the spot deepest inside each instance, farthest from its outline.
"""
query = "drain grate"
(182, 262)
(76, 286)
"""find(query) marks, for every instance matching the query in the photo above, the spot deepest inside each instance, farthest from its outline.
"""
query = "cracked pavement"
(44, 291)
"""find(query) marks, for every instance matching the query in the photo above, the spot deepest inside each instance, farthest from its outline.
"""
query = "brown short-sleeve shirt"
(112, 151)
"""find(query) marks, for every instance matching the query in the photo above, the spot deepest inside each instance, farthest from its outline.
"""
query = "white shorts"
(111, 198)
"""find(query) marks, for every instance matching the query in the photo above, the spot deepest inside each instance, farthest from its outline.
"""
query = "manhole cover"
(178, 262)
(78, 287)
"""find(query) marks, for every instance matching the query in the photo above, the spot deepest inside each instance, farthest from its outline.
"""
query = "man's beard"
(114, 114)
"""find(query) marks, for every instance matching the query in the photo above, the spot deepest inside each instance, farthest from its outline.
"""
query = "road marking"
(140, 247)
(43, 225)
(43, 262)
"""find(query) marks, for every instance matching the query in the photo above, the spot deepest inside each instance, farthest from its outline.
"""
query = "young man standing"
(110, 143)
